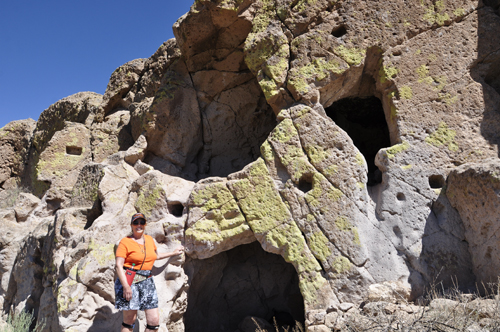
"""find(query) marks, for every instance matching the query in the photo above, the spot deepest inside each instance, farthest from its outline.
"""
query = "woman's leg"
(129, 317)
(152, 319)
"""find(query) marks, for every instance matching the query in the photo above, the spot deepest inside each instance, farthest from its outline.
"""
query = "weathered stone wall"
(223, 139)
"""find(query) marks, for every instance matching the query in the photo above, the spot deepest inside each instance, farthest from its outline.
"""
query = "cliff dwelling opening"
(363, 119)
(74, 150)
(244, 281)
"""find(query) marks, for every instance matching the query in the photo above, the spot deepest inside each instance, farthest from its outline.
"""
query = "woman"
(137, 254)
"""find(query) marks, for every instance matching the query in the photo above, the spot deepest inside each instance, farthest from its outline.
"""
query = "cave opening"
(241, 282)
(363, 119)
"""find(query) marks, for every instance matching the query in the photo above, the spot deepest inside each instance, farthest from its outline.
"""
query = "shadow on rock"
(107, 320)
(486, 70)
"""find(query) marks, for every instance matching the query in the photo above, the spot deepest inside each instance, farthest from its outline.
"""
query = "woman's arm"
(164, 255)
(127, 290)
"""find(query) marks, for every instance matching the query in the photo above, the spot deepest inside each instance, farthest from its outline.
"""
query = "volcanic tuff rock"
(310, 155)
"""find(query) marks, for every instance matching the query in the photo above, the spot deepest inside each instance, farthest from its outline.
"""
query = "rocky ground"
(310, 155)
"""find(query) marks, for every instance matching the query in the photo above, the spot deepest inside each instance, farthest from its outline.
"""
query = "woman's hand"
(127, 292)
(178, 251)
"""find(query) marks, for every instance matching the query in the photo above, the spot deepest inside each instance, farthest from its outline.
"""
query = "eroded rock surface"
(474, 190)
(252, 134)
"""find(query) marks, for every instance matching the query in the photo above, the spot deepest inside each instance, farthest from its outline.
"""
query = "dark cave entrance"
(363, 119)
(244, 281)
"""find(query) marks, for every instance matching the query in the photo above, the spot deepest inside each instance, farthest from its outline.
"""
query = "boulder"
(14, 146)
(24, 205)
(111, 135)
(473, 189)
(120, 84)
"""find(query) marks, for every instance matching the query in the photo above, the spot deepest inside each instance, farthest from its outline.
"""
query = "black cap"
(137, 216)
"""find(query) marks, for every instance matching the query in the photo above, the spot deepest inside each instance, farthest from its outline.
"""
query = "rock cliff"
(310, 155)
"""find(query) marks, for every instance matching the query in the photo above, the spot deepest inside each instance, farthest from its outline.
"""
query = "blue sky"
(52, 49)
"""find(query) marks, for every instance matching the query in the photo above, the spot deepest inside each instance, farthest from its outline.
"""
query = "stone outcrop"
(474, 190)
(14, 145)
(310, 156)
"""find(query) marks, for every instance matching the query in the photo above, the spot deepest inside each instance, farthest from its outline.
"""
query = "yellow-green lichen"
(313, 195)
(341, 264)
(395, 149)
(317, 69)
(434, 14)
(318, 245)
(167, 91)
(459, 12)
(448, 98)
(309, 286)
(360, 160)
(289, 239)
(343, 223)
(334, 193)
(103, 254)
(211, 196)
(387, 73)
(259, 199)
(230, 4)
(353, 56)
(59, 165)
(317, 154)
(148, 199)
(269, 87)
(267, 151)
(443, 136)
(422, 72)
(330, 170)
(441, 82)
(405, 92)
(302, 112)
(284, 131)
(219, 225)
(301, 5)
(406, 167)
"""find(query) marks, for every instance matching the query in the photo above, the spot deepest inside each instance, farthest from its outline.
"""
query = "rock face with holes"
(310, 155)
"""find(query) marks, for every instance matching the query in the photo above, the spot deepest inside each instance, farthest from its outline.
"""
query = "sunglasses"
(141, 221)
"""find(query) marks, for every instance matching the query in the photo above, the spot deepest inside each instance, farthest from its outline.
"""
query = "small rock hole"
(176, 209)
(436, 181)
(401, 197)
(397, 231)
(339, 31)
(74, 150)
(305, 184)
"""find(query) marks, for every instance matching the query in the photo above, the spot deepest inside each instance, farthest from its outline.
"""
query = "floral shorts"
(144, 295)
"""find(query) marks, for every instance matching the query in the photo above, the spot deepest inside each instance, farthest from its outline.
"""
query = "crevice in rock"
(363, 119)
(435, 26)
